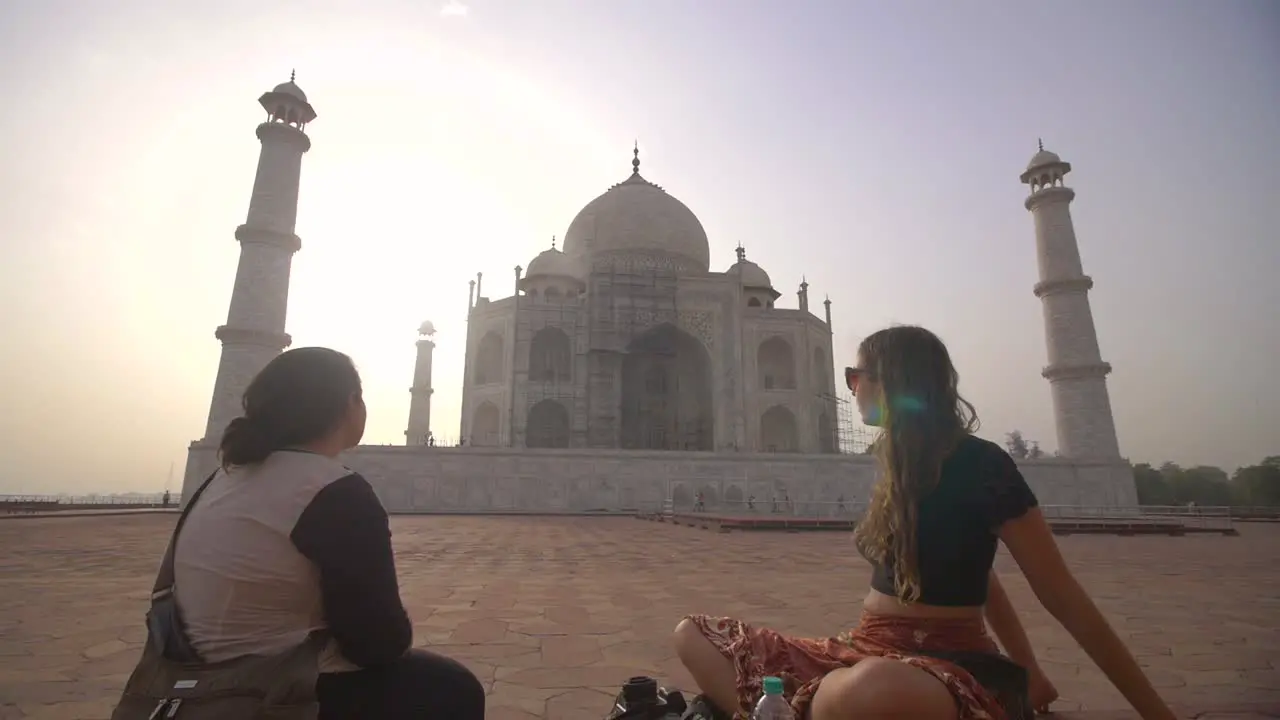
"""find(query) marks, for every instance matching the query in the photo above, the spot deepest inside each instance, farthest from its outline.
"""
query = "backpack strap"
(164, 578)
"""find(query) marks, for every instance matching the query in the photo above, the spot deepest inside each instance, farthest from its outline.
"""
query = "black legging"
(419, 686)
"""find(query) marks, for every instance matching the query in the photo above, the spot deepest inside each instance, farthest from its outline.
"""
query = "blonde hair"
(922, 418)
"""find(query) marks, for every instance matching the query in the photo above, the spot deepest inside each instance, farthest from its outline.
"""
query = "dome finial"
(293, 74)
(635, 158)
(741, 252)
(553, 242)
(1040, 142)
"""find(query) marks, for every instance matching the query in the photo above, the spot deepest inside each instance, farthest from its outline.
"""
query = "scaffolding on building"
(604, 400)
(602, 325)
(852, 437)
(536, 379)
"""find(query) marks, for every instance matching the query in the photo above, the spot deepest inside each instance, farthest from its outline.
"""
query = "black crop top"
(979, 490)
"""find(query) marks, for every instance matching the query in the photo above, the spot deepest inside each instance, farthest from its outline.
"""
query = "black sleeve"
(1005, 493)
(345, 532)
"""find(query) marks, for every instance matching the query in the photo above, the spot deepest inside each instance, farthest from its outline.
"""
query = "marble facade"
(481, 479)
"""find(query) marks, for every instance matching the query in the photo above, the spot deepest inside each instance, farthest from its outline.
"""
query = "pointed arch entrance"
(666, 392)
(778, 432)
(547, 425)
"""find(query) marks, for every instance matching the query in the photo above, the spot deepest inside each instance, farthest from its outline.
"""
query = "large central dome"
(638, 221)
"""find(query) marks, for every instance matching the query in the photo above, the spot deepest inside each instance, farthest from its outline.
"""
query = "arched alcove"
(549, 356)
(733, 499)
(778, 432)
(822, 376)
(681, 497)
(547, 426)
(484, 425)
(488, 360)
(710, 496)
(776, 364)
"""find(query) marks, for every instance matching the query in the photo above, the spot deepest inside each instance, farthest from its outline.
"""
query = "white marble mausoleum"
(623, 372)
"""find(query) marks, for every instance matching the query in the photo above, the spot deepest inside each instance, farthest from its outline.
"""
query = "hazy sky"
(873, 146)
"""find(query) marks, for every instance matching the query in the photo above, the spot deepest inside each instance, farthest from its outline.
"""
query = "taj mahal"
(623, 372)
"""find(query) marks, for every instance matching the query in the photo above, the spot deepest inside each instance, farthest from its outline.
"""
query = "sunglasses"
(852, 376)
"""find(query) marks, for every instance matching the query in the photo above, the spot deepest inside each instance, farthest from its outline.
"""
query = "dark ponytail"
(300, 396)
(243, 443)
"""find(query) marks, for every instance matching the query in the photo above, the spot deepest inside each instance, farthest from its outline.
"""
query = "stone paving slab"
(553, 613)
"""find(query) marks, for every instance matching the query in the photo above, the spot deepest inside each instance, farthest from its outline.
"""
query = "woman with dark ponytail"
(284, 541)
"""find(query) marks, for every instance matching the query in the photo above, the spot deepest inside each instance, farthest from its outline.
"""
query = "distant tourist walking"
(921, 650)
(283, 545)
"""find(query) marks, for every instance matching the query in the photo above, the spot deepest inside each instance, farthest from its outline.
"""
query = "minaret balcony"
(250, 336)
(251, 235)
(1076, 371)
(1080, 284)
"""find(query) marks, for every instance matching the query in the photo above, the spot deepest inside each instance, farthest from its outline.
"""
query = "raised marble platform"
(478, 479)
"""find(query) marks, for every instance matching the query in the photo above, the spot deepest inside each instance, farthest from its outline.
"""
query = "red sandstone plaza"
(554, 613)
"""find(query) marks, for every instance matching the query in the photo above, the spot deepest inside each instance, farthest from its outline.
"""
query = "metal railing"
(1187, 516)
(1256, 512)
(56, 503)
(782, 510)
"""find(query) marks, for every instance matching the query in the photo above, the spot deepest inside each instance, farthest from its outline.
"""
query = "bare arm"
(1003, 619)
(1031, 542)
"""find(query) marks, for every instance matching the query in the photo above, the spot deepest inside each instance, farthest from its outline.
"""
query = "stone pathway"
(554, 613)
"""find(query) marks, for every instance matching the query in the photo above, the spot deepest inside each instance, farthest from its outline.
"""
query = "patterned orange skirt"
(921, 642)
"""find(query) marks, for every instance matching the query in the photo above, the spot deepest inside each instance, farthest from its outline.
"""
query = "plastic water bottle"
(772, 705)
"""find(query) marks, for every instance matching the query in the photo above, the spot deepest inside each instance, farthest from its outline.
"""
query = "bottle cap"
(773, 686)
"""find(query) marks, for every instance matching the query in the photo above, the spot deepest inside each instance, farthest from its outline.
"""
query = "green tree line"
(1172, 484)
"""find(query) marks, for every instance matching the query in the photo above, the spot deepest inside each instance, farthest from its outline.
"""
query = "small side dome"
(427, 328)
(753, 276)
(756, 285)
(554, 263)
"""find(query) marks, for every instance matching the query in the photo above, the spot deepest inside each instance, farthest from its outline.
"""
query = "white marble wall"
(473, 479)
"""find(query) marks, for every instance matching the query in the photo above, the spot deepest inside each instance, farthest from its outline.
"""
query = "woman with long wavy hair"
(943, 501)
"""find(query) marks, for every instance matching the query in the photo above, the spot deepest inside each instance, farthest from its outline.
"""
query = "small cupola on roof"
(553, 274)
(286, 103)
(756, 285)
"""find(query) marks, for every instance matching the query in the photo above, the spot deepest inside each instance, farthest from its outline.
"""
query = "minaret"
(1076, 373)
(254, 333)
(466, 363)
(804, 295)
(420, 400)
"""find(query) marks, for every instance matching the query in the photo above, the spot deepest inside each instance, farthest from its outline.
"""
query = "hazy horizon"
(871, 148)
